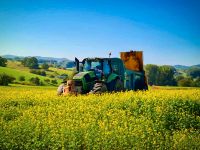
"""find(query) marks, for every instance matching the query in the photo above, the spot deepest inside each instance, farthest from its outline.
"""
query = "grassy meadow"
(17, 73)
(17, 70)
(36, 118)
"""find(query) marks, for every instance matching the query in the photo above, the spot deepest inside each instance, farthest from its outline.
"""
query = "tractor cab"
(100, 66)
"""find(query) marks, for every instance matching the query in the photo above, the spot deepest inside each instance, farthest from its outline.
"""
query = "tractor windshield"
(98, 66)
(91, 65)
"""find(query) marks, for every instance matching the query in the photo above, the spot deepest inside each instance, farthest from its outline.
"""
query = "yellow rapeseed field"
(36, 118)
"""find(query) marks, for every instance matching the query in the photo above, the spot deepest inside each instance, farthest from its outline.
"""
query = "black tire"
(145, 88)
(118, 86)
(99, 88)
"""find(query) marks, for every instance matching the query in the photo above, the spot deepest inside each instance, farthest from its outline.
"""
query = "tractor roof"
(98, 59)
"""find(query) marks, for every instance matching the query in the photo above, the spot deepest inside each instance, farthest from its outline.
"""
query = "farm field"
(36, 118)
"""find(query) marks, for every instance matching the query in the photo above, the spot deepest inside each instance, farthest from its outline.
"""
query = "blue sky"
(168, 32)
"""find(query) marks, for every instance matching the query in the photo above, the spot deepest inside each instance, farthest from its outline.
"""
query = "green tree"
(30, 62)
(47, 80)
(179, 77)
(166, 75)
(54, 82)
(6, 79)
(52, 76)
(160, 75)
(43, 73)
(3, 61)
(197, 82)
(39, 72)
(22, 78)
(152, 73)
(35, 81)
(186, 82)
(45, 66)
(194, 72)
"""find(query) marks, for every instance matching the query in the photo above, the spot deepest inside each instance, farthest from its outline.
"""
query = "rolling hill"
(17, 70)
(182, 67)
(38, 57)
(17, 73)
(59, 62)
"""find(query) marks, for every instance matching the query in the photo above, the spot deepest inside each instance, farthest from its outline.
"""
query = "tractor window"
(95, 65)
(92, 65)
(87, 66)
(106, 67)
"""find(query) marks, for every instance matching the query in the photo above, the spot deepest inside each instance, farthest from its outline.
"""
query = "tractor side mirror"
(77, 64)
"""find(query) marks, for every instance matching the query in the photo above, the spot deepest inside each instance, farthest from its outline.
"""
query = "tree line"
(168, 76)
(157, 75)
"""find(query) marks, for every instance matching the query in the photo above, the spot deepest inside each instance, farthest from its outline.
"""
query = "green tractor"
(99, 75)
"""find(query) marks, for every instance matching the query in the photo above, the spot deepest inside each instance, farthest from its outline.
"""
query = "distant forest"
(55, 62)
(170, 76)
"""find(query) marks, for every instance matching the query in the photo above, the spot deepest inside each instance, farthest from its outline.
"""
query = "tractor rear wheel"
(99, 88)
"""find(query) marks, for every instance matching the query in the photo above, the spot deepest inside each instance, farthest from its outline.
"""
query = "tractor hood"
(84, 81)
(80, 75)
